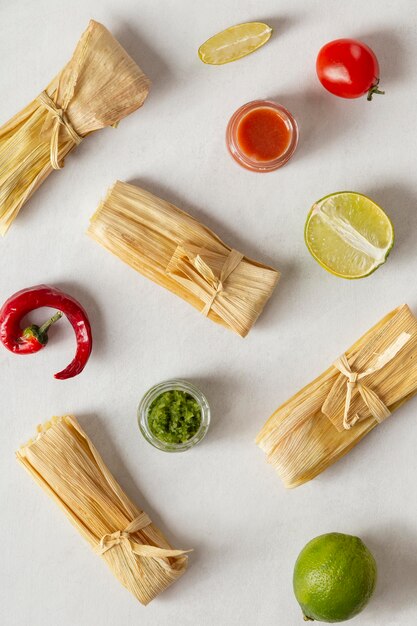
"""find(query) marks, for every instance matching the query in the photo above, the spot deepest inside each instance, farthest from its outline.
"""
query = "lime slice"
(234, 43)
(348, 234)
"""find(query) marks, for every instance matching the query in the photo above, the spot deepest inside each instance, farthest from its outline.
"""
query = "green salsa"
(174, 416)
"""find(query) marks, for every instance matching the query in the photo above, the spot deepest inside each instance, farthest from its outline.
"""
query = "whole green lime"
(334, 577)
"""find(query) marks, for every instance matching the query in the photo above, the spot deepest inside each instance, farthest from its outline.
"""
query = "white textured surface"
(221, 498)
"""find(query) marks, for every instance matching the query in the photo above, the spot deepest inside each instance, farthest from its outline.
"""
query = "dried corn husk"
(98, 87)
(64, 461)
(328, 417)
(174, 250)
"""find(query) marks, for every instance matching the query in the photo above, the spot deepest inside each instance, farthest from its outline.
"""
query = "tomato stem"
(374, 89)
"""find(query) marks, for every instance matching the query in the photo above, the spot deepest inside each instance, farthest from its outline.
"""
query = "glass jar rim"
(233, 145)
(155, 391)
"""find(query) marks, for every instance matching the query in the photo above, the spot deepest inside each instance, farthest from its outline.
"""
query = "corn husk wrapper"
(324, 420)
(174, 250)
(98, 87)
(64, 461)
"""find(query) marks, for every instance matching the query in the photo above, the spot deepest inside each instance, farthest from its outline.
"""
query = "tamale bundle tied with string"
(99, 86)
(64, 461)
(174, 250)
(328, 417)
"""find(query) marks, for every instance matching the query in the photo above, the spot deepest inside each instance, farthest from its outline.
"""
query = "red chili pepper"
(34, 338)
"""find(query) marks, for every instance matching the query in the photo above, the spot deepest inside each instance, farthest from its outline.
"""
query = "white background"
(221, 498)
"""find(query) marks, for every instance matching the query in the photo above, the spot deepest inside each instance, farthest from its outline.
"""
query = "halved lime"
(234, 43)
(348, 234)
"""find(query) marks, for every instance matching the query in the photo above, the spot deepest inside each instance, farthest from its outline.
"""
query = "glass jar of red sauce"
(262, 136)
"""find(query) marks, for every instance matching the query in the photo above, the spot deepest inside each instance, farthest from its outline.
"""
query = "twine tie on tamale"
(60, 119)
(230, 264)
(374, 403)
(212, 286)
(110, 540)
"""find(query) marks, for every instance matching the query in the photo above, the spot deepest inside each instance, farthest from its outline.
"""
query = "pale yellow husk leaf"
(99, 86)
(305, 435)
(64, 462)
(174, 250)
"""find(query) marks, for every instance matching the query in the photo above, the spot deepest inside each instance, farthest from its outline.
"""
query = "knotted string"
(189, 255)
(374, 403)
(230, 264)
(123, 537)
(60, 119)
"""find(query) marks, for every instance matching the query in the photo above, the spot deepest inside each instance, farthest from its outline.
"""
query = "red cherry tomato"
(348, 68)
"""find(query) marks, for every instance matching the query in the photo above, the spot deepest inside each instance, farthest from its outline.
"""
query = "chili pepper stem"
(45, 327)
(39, 334)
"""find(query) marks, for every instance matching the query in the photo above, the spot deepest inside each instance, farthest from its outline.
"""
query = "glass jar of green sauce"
(174, 415)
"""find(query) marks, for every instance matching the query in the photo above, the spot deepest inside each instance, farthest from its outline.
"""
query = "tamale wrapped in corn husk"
(328, 417)
(99, 86)
(174, 250)
(64, 461)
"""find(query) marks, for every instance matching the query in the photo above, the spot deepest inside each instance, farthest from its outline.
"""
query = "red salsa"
(263, 134)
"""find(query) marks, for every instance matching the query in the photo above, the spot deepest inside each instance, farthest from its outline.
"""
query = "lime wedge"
(234, 43)
(348, 234)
